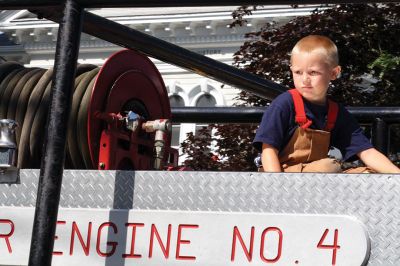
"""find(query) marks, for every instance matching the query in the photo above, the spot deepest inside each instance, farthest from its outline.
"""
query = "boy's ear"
(336, 72)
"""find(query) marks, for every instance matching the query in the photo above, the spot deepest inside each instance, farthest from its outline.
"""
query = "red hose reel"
(119, 116)
(129, 89)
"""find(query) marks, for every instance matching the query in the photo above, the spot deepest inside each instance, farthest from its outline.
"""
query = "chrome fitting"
(8, 145)
(132, 121)
(9, 173)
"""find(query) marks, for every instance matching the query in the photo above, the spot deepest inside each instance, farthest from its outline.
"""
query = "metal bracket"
(9, 176)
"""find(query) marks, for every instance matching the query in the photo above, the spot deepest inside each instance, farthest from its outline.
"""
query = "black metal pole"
(380, 135)
(23, 4)
(127, 37)
(368, 114)
(217, 114)
(365, 115)
(51, 171)
(173, 54)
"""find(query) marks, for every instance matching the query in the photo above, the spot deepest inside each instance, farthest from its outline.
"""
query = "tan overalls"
(307, 150)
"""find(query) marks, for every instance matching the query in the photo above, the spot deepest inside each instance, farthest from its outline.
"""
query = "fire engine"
(116, 204)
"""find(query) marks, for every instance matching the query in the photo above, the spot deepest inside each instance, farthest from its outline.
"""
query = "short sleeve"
(274, 125)
(348, 136)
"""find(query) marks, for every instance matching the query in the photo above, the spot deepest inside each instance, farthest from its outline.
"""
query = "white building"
(200, 29)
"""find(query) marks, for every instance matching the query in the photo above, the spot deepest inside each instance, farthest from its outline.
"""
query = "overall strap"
(333, 110)
(300, 117)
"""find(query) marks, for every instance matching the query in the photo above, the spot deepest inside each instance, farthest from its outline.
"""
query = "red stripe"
(333, 110)
(301, 117)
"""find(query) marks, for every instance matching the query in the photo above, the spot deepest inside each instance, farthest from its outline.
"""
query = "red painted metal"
(127, 81)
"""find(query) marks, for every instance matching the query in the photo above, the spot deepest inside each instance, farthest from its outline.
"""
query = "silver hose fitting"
(162, 127)
(8, 152)
(8, 144)
(132, 121)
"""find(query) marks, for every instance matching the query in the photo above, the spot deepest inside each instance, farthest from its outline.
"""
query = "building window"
(176, 101)
(176, 130)
(206, 100)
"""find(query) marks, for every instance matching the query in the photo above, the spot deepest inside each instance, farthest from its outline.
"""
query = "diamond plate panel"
(373, 199)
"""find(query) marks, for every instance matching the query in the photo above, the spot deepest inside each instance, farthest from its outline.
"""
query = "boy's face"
(312, 74)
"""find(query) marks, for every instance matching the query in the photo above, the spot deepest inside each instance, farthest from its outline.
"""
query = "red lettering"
(112, 244)
(164, 249)
(183, 241)
(132, 252)
(9, 234)
(334, 247)
(75, 230)
(279, 253)
(247, 252)
(56, 237)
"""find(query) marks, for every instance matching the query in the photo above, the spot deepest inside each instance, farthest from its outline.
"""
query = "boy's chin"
(313, 99)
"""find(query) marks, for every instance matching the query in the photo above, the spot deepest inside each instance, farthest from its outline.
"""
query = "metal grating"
(373, 199)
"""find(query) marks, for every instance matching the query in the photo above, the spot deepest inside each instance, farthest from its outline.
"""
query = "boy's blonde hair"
(320, 44)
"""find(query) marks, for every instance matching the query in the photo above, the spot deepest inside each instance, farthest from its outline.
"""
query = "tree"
(367, 36)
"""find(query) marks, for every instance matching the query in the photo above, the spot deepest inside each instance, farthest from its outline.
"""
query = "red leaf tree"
(367, 36)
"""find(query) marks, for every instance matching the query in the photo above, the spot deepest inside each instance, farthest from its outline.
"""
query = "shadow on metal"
(122, 200)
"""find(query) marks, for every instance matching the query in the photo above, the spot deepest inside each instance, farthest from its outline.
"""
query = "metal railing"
(379, 118)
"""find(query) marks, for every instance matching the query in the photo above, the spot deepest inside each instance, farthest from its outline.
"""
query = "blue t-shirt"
(278, 125)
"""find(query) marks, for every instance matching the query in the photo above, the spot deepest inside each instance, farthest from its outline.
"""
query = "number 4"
(334, 247)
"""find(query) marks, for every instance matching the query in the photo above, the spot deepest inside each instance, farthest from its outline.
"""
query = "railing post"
(380, 135)
(50, 179)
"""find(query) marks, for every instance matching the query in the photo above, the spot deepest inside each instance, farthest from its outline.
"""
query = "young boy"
(299, 127)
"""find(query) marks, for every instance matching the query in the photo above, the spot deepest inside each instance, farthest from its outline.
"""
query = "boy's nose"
(306, 78)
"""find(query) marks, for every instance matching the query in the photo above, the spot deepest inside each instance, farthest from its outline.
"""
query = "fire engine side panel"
(372, 199)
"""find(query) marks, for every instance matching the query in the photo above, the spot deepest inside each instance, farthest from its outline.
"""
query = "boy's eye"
(297, 72)
(314, 73)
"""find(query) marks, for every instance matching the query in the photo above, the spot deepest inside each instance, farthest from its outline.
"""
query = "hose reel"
(119, 118)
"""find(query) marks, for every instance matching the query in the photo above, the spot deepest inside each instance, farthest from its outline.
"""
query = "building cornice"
(205, 32)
